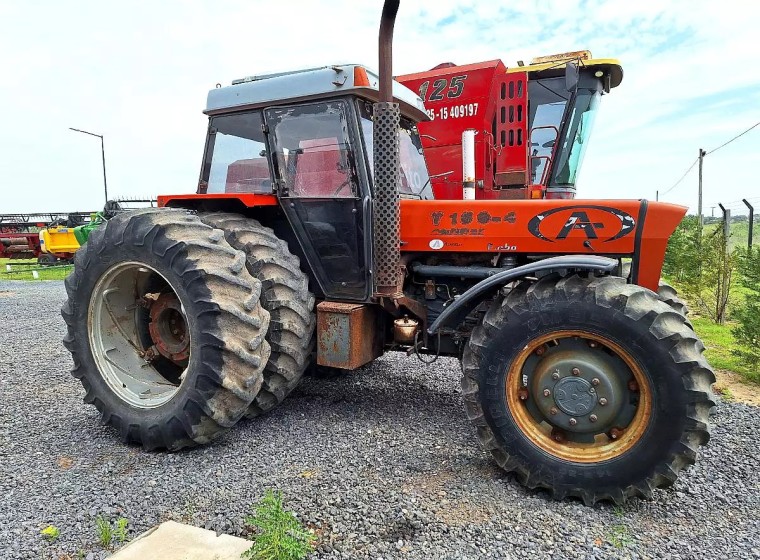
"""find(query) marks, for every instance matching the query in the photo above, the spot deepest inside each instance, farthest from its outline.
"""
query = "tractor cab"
(304, 140)
(317, 124)
(564, 93)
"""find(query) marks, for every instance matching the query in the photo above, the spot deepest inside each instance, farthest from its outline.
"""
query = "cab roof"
(554, 65)
(309, 84)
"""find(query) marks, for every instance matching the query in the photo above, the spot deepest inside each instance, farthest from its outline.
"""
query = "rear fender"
(455, 313)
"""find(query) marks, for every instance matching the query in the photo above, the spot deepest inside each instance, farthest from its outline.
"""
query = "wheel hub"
(574, 396)
(578, 388)
(168, 328)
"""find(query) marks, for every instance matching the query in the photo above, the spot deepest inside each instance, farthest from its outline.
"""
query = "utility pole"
(702, 154)
(656, 195)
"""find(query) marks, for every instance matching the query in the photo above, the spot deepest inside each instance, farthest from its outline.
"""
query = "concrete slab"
(176, 541)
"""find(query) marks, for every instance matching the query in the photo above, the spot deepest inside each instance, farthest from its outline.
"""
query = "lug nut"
(592, 344)
(576, 371)
(593, 418)
(522, 394)
(555, 375)
(547, 392)
(633, 386)
(615, 433)
(553, 410)
(595, 381)
(540, 350)
(573, 421)
(602, 401)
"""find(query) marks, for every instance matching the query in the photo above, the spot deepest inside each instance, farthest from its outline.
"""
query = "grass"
(21, 269)
(104, 531)
(279, 535)
(719, 343)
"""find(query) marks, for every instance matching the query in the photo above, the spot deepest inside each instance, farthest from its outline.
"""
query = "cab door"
(317, 164)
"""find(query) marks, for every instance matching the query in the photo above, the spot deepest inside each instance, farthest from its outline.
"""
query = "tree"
(748, 331)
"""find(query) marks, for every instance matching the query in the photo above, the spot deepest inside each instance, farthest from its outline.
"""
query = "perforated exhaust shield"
(387, 251)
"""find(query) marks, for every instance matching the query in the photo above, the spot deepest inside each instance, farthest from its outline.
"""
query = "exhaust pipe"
(387, 167)
(468, 164)
(385, 49)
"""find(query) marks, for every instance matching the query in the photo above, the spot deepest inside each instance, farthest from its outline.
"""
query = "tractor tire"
(588, 387)
(165, 328)
(285, 295)
(667, 293)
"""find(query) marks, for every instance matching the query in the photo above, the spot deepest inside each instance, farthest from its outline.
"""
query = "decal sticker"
(436, 244)
(590, 222)
(466, 218)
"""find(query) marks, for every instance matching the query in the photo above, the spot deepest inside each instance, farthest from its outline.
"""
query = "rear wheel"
(588, 387)
(285, 295)
(165, 328)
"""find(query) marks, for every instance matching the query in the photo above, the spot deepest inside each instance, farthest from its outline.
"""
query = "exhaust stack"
(386, 249)
(468, 164)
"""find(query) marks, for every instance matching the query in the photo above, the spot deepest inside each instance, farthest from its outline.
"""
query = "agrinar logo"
(586, 221)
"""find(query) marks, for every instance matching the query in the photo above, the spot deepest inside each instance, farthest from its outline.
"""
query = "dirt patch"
(65, 462)
(733, 387)
(451, 510)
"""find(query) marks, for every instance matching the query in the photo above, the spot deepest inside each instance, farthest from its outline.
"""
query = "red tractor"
(314, 237)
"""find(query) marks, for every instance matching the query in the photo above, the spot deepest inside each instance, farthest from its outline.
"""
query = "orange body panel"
(603, 227)
(532, 227)
(249, 199)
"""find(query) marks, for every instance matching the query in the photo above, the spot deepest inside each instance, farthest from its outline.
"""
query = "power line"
(734, 138)
(681, 179)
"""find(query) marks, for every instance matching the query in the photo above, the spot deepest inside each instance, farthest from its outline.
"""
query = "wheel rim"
(579, 396)
(139, 336)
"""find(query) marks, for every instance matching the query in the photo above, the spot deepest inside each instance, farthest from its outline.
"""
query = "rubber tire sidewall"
(666, 423)
(200, 383)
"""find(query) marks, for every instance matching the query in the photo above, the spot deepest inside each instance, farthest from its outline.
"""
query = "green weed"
(121, 530)
(51, 533)
(279, 535)
(104, 530)
(619, 535)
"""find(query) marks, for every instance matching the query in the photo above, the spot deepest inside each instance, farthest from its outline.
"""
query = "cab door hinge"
(265, 128)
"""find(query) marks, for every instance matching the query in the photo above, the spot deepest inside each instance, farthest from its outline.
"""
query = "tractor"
(314, 239)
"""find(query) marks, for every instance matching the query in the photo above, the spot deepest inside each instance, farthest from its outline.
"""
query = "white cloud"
(138, 73)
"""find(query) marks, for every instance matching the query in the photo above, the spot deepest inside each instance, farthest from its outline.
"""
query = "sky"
(138, 73)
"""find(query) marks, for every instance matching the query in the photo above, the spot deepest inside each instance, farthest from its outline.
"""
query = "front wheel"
(588, 387)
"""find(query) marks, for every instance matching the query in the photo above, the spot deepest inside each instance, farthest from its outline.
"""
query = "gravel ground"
(381, 463)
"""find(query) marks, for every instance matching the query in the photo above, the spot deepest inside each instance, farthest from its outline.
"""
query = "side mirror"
(571, 76)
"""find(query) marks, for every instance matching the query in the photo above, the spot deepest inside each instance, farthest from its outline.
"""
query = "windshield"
(575, 141)
(235, 159)
(415, 182)
(547, 102)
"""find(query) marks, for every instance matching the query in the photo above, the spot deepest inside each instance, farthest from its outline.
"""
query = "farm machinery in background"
(53, 238)
(314, 238)
(48, 237)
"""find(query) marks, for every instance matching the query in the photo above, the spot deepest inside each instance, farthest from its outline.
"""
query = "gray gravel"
(382, 463)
